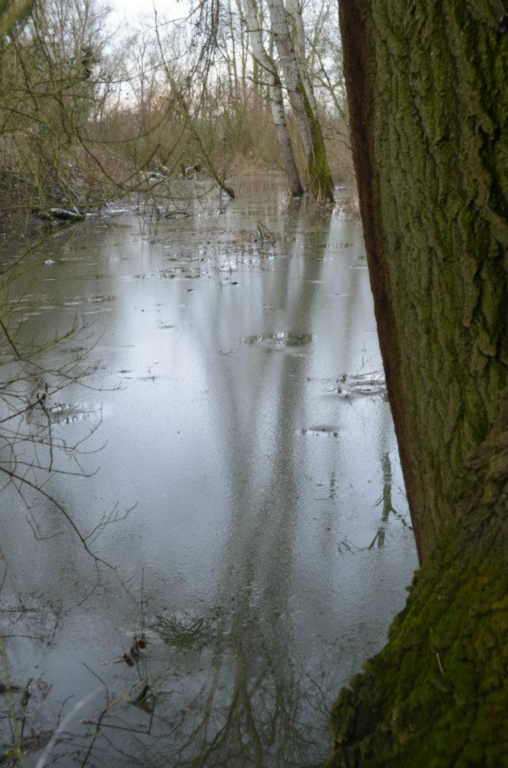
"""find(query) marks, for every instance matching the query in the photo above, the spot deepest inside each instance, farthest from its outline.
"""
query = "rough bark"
(272, 79)
(429, 115)
(320, 178)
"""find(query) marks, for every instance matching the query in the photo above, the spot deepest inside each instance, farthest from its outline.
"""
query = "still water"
(234, 422)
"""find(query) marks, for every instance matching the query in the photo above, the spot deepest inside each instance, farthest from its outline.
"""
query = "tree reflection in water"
(252, 701)
(247, 706)
(245, 672)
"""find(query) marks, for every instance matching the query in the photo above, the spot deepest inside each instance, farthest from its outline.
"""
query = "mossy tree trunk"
(428, 99)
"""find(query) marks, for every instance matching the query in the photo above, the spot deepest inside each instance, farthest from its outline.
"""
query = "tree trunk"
(234, 88)
(297, 29)
(320, 178)
(429, 111)
(270, 75)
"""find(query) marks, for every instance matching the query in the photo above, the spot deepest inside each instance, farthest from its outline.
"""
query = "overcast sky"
(130, 10)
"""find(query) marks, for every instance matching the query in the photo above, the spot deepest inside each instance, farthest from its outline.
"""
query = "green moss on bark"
(320, 177)
(429, 113)
(437, 694)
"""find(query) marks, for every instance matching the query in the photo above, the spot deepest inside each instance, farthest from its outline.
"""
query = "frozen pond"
(237, 411)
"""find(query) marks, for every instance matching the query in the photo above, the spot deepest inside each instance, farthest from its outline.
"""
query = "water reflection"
(256, 568)
(273, 705)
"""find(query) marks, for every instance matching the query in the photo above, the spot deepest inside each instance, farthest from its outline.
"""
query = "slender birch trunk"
(268, 71)
(320, 178)
(233, 86)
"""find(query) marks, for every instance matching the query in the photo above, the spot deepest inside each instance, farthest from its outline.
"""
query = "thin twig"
(112, 703)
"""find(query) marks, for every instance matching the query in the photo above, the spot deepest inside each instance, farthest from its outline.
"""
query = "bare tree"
(268, 72)
(320, 178)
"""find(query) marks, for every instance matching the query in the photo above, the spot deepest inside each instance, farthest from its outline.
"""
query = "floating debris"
(319, 431)
(364, 384)
(112, 210)
(132, 654)
(265, 233)
(38, 690)
(279, 340)
(177, 215)
(63, 413)
(100, 297)
(62, 214)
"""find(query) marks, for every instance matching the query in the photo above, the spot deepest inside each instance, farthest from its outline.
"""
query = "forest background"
(91, 112)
